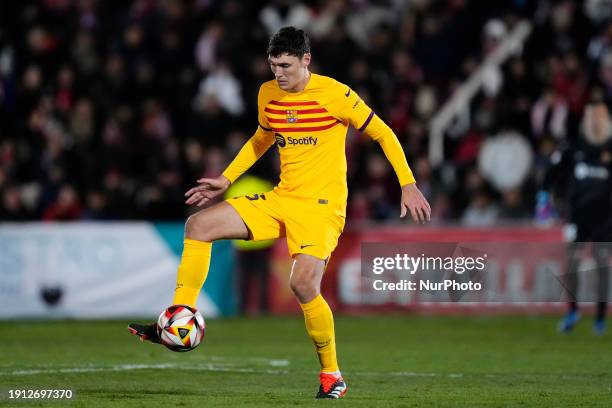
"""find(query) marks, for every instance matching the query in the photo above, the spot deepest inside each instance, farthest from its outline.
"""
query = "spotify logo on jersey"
(295, 141)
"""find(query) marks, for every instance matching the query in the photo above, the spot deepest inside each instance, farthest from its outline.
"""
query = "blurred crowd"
(111, 110)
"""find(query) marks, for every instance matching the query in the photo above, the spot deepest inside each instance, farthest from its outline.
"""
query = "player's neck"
(302, 84)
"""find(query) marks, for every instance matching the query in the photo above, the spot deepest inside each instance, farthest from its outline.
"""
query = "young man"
(307, 116)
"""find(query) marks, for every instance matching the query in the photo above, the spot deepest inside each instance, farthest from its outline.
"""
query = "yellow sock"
(192, 271)
(320, 327)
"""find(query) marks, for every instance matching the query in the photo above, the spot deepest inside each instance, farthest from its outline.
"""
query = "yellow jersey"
(309, 129)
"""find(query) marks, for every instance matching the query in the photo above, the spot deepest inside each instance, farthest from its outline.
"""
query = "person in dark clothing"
(585, 168)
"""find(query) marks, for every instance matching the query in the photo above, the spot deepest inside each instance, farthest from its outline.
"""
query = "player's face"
(291, 72)
(597, 129)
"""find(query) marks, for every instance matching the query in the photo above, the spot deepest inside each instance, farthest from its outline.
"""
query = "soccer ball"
(180, 327)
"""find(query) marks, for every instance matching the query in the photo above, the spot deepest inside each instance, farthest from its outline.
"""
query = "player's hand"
(414, 201)
(207, 189)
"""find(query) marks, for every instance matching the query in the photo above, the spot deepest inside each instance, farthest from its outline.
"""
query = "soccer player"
(306, 115)
(586, 166)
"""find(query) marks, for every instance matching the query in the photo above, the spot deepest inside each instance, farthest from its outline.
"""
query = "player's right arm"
(252, 150)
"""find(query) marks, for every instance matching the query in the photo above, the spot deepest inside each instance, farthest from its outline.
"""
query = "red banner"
(342, 276)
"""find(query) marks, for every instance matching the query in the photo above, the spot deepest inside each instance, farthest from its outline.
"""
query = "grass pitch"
(387, 361)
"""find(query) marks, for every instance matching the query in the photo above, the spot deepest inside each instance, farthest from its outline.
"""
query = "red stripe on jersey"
(304, 103)
(306, 129)
(302, 120)
(299, 112)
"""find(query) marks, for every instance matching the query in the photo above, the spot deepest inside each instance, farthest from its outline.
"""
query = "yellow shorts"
(312, 226)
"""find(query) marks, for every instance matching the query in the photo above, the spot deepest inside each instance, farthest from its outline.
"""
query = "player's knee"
(197, 227)
(303, 290)
(305, 281)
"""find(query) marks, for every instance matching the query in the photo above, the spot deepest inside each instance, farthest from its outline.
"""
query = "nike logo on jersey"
(306, 246)
(348, 93)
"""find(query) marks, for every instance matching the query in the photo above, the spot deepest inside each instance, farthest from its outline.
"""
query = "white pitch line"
(220, 368)
(272, 362)
(202, 367)
(129, 367)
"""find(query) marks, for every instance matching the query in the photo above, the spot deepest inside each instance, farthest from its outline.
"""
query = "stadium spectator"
(481, 212)
(65, 208)
(12, 205)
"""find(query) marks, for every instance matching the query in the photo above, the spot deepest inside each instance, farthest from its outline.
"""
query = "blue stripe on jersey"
(367, 122)
(264, 128)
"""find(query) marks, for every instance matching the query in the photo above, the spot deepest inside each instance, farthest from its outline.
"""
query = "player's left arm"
(363, 118)
(412, 198)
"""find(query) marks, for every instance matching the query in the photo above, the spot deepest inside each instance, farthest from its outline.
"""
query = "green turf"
(387, 361)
